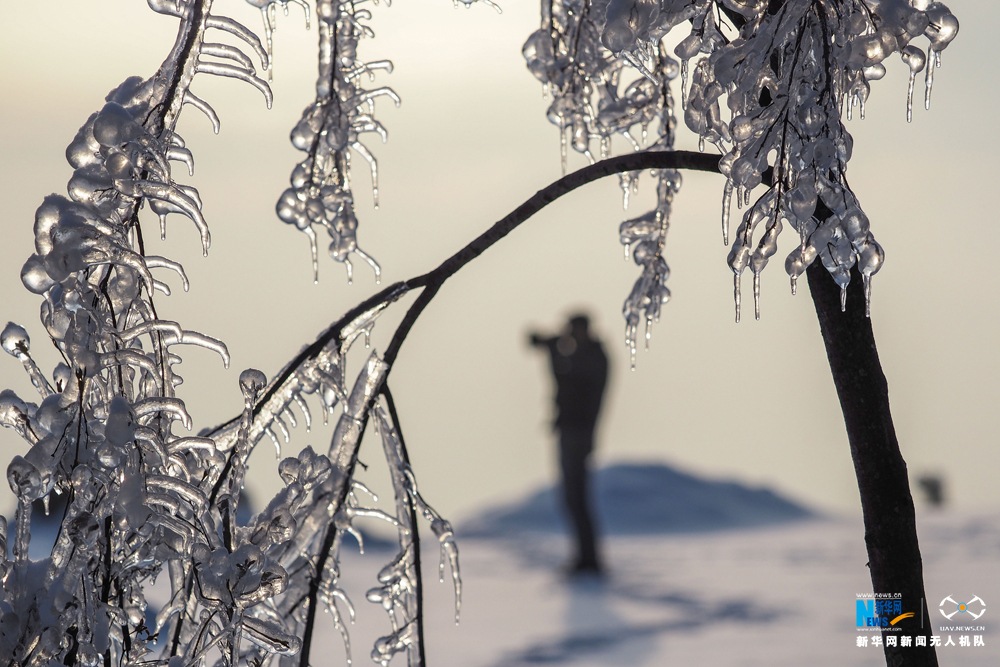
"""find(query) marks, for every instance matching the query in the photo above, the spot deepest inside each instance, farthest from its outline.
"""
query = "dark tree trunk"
(890, 525)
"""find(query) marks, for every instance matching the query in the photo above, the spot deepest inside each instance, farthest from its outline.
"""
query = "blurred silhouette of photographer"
(580, 368)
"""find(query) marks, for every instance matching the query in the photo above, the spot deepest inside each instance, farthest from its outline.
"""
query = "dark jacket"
(581, 373)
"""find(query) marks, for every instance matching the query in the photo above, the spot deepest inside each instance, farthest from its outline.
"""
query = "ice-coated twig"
(204, 107)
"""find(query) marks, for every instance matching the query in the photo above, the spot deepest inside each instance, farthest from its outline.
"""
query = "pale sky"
(752, 401)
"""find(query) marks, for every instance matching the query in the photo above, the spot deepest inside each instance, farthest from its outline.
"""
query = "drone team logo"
(974, 608)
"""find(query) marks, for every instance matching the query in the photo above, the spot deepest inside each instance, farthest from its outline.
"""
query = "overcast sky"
(752, 401)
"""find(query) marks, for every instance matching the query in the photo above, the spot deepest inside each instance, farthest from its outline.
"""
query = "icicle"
(306, 415)
(736, 295)
(314, 252)
(684, 84)
(794, 279)
(274, 438)
(929, 77)
(727, 199)
(843, 298)
(909, 97)
(638, 64)
(868, 294)
(285, 435)
(756, 295)
(562, 149)
(338, 624)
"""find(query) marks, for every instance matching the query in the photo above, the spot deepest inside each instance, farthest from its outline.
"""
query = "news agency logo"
(880, 613)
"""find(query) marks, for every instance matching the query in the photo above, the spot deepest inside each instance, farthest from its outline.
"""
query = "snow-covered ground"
(778, 595)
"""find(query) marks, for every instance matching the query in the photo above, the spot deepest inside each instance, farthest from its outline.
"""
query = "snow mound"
(645, 499)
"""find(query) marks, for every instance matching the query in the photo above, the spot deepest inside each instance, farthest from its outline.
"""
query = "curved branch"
(433, 280)
(542, 198)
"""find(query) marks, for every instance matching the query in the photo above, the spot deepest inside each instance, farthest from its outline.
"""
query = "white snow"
(779, 595)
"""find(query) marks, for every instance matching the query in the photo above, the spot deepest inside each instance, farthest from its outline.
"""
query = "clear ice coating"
(145, 502)
(142, 501)
(786, 78)
(573, 54)
(786, 71)
(331, 127)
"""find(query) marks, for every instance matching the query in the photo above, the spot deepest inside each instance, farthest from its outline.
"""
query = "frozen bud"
(726, 163)
(63, 376)
(856, 224)
(812, 118)
(119, 166)
(875, 72)
(281, 527)
(870, 257)
(916, 23)
(644, 227)
(15, 341)
(914, 58)
(824, 153)
(13, 411)
(288, 470)
(81, 478)
(742, 129)
(291, 209)
(87, 656)
(25, 479)
(252, 382)
(742, 171)
(645, 251)
(802, 200)
(857, 24)
(34, 277)
(537, 51)
(942, 26)
(115, 125)
(303, 135)
(625, 21)
(120, 428)
(867, 51)
(739, 257)
(83, 529)
(689, 47)
(301, 174)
